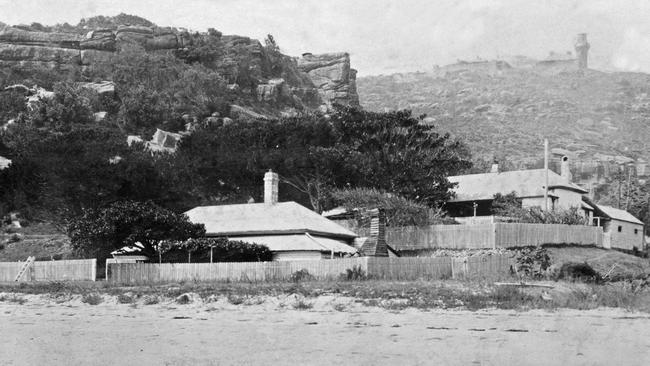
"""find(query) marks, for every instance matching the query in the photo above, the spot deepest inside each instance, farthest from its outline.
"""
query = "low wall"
(65, 270)
(329, 269)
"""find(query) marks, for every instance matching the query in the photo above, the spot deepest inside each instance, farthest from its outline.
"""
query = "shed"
(622, 230)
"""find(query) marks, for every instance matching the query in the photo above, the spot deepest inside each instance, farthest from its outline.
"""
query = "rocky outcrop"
(269, 77)
(332, 76)
(100, 39)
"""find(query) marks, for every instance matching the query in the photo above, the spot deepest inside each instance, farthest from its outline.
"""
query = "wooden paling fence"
(63, 270)
(496, 235)
(380, 268)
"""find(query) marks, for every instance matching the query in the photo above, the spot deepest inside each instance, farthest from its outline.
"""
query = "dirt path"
(223, 334)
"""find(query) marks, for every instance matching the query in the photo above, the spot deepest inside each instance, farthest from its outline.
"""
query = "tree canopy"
(98, 232)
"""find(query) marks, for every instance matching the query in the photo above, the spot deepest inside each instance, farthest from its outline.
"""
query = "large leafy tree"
(313, 154)
(96, 233)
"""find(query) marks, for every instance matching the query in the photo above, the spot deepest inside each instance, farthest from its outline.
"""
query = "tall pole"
(546, 174)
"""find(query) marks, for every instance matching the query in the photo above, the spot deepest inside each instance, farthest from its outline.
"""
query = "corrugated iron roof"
(619, 214)
(525, 183)
(265, 219)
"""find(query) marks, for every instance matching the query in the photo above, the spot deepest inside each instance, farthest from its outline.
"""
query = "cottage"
(474, 192)
(622, 230)
(290, 230)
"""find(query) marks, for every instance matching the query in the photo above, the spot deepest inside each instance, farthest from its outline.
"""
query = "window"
(636, 231)
(620, 228)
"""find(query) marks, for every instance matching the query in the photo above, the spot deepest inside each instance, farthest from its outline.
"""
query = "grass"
(392, 295)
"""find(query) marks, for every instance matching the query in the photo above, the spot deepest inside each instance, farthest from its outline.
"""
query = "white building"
(290, 230)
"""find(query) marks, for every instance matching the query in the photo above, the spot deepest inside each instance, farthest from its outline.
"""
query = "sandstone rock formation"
(269, 77)
(332, 76)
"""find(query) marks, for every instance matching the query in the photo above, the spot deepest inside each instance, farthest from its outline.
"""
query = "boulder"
(163, 42)
(134, 34)
(332, 76)
(273, 91)
(102, 87)
(90, 57)
(17, 36)
(55, 55)
(101, 39)
(245, 113)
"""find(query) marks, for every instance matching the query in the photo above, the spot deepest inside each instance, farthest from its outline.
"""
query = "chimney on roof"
(375, 245)
(495, 168)
(565, 172)
(271, 182)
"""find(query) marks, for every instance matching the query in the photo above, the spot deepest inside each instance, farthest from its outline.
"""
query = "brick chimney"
(565, 172)
(375, 245)
(271, 183)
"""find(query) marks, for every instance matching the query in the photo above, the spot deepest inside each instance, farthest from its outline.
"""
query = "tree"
(98, 232)
(399, 210)
(506, 205)
(398, 153)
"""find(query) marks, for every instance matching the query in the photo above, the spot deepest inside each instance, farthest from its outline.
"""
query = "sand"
(269, 331)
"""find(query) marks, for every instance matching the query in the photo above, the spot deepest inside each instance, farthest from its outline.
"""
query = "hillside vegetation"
(507, 112)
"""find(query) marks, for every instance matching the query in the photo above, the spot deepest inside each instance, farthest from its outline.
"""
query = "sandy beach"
(335, 330)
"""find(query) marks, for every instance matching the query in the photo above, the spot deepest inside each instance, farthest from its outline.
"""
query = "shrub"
(125, 299)
(13, 298)
(92, 299)
(301, 275)
(355, 273)
(223, 250)
(236, 300)
(302, 305)
(533, 262)
(399, 210)
(151, 300)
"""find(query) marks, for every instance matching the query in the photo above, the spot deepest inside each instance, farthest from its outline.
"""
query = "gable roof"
(265, 219)
(525, 183)
(618, 214)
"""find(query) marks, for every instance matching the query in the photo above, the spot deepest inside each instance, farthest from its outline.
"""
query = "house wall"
(297, 255)
(626, 238)
(536, 201)
(567, 199)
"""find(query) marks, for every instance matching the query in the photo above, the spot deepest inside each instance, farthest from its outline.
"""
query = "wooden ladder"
(25, 267)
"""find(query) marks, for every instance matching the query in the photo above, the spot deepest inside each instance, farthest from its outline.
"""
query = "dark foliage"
(197, 250)
(98, 232)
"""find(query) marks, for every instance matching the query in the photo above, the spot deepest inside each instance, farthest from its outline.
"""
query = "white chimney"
(565, 172)
(271, 182)
(495, 168)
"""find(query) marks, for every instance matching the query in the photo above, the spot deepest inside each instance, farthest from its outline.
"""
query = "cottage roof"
(265, 219)
(617, 214)
(299, 242)
(525, 183)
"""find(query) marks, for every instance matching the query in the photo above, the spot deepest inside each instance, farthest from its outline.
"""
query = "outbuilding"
(622, 230)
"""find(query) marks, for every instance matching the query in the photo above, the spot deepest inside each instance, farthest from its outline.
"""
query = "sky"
(387, 36)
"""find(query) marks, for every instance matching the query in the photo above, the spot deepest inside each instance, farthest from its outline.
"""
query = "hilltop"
(505, 109)
(241, 70)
